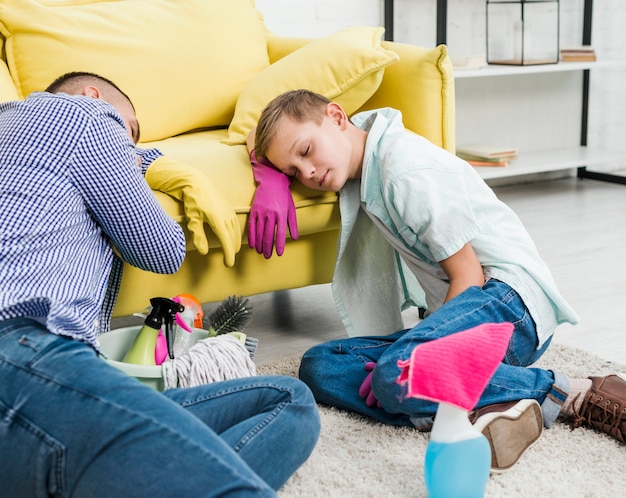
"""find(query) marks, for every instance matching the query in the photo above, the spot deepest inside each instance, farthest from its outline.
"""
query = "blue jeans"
(335, 370)
(72, 425)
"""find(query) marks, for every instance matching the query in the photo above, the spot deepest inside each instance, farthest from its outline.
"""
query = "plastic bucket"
(117, 342)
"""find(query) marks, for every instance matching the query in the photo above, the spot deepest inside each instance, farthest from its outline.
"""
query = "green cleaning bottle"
(163, 311)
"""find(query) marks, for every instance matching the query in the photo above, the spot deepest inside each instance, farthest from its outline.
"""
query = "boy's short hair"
(299, 105)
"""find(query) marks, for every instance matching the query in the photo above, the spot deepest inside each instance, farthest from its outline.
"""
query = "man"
(71, 197)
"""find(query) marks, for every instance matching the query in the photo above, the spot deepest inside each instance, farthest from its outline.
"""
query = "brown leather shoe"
(604, 406)
(511, 428)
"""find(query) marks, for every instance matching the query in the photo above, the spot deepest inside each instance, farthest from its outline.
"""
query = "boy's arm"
(272, 209)
(463, 270)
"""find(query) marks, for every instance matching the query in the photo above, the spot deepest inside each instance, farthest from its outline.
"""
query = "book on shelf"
(475, 162)
(487, 152)
(486, 155)
(468, 61)
(574, 54)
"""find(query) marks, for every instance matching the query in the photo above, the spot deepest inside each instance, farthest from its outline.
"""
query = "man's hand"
(272, 209)
(365, 391)
(202, 203)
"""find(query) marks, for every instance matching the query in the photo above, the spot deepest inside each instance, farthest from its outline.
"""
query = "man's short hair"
(70, 82)
(299, 105)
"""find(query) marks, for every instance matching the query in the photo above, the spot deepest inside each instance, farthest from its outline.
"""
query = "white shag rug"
(358, 457)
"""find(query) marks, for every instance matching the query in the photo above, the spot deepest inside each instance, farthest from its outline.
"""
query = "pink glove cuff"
(264, 171)
(456, 369)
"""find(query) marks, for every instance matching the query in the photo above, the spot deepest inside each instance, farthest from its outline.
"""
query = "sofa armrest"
(421, 86)
(8, 91)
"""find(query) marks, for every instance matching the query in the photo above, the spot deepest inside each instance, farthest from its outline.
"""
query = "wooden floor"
(580, 230)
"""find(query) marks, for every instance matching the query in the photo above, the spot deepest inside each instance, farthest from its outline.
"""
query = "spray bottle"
(183, 338)
(163, 312)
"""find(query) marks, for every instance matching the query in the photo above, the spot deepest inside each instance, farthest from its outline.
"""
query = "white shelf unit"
(541, 110)
(497, 70)
(550, 160)
(549, 106)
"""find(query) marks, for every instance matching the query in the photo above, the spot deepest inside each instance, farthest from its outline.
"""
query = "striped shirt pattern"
(70, 191)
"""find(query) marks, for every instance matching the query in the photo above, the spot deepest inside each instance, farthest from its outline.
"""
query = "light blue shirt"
(71, 190)
(427, 204)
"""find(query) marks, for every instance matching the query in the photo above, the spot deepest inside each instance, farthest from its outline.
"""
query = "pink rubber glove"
(272, 209)
(365, 391)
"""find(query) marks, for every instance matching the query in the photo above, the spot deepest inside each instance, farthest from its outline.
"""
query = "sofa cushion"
(346, 67)
(183, 63)
(228, 168)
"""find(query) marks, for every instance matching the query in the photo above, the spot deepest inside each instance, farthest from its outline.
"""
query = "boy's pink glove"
(272, 209)
(365, 391)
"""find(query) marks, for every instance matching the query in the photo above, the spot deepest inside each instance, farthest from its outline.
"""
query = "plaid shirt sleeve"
(121, 201)
(70, 191)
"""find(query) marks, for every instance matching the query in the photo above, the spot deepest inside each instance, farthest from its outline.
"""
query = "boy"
(71, 424)
(400, 195)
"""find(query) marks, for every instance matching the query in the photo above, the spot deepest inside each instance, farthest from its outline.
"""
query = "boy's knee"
(314, 360)
(308, 369)
(384, 382)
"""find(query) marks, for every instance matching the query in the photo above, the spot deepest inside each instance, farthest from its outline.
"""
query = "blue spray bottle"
(163, 313)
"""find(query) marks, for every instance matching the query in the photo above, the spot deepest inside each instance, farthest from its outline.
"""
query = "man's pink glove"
(365, 391)
(272, 209)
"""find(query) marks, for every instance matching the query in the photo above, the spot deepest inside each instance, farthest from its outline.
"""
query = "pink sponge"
(456, 369)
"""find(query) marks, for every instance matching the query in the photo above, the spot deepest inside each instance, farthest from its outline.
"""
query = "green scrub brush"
(231, 317)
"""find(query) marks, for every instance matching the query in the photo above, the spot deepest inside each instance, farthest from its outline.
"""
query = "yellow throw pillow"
(346, 67)
(182, 62)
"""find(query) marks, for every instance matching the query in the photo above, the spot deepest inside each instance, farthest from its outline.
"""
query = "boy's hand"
(272, 209)
(202, 203)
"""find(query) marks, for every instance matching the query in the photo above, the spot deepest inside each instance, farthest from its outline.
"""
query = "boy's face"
(321, 156)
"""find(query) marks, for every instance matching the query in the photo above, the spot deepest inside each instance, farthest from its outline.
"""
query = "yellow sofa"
(199, 72)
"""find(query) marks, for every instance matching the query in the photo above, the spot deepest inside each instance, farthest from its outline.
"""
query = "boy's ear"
(335, 112)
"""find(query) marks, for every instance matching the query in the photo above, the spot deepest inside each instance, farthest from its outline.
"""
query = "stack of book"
(468, 61)
(486, 155)
(583, 53)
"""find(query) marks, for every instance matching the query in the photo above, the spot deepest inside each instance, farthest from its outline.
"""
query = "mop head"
(210, 360)
(456, 369)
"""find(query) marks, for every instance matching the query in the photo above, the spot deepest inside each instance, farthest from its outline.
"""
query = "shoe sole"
(511, 433)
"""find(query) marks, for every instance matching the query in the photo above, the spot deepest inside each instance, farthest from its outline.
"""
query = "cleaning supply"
(231, 317)
(454, 371)
(226, 353)
(160, 349)
(185, 320)
(209, 360)
(190, 301)
(183, 339)
(163, 312)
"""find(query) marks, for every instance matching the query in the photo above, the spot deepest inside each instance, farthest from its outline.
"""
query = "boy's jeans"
(335, 370)
(72, 425)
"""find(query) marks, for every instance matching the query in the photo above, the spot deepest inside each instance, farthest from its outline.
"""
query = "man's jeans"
(335, 370)
(72, 425)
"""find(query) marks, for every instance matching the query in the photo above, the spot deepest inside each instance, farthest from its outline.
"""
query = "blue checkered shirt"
(70, 191)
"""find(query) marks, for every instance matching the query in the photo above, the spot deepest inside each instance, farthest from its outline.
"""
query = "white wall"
(415, 23)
